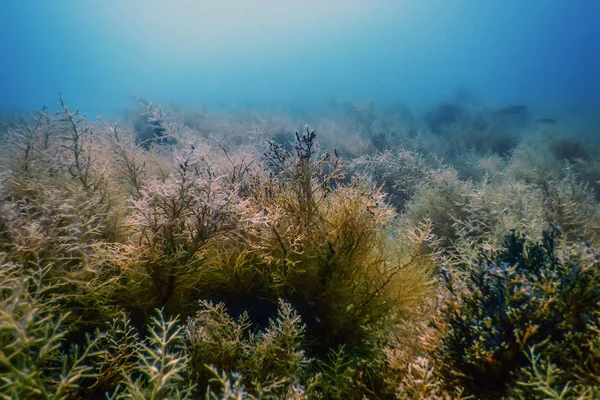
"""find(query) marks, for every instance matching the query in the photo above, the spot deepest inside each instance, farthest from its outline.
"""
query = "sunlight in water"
(187, 26)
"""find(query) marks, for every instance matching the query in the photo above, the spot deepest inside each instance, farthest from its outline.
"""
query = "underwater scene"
(277, 199)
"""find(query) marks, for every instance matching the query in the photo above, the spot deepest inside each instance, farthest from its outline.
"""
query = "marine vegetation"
(377, 253)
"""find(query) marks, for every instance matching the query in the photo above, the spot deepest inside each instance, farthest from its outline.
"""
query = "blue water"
(544, 53)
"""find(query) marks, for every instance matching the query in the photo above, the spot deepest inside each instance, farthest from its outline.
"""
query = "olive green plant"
(270, 363)
(35, 358)
(160, 364)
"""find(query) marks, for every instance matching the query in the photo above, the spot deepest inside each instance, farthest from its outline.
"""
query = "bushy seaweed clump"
(328, 249)
(526, 325)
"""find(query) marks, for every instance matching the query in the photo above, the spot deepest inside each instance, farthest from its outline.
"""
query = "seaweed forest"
(304, 200)
(183, 253)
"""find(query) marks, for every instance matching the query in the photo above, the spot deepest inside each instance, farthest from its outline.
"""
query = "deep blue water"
(544, 53)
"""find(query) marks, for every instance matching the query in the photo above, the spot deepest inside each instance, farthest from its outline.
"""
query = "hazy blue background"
(545, 53)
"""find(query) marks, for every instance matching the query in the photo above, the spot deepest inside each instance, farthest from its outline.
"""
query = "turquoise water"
(543, 53)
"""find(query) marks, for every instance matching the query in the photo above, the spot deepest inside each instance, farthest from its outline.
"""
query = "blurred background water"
(543, 53)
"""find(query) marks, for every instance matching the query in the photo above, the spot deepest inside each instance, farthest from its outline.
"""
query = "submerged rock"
(519, 109)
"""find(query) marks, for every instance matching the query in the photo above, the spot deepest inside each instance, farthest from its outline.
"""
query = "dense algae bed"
(379, 253)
